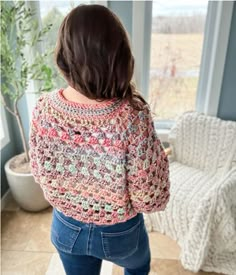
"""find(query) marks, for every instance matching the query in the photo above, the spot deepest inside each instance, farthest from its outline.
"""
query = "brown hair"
(94, 55)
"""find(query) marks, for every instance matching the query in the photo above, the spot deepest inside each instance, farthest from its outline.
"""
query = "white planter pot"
(26, 192)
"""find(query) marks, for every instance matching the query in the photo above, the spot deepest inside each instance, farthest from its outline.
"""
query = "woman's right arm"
(147, 166)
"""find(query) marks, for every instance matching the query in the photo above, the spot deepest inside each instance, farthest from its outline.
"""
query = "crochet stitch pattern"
(97, 163)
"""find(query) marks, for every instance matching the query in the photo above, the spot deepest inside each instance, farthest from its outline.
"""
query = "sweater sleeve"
(147, 165)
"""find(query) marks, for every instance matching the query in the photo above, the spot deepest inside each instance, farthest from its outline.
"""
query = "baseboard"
(5, 199)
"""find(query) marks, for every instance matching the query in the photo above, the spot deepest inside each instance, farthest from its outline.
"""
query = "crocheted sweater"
(98, 163)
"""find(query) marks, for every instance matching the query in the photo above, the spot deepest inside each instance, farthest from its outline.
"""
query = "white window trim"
(31, 97)
(6, 139)
(217, 29)
(141, 43)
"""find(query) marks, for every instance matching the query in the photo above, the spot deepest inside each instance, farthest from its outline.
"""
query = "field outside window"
(176, 49)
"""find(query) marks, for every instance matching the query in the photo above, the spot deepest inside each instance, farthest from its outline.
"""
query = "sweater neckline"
(84, 105)
(83, 109)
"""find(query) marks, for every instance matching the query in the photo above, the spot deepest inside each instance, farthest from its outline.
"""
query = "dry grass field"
(175, 63)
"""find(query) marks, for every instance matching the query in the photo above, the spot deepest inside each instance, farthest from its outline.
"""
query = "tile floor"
(26, 248)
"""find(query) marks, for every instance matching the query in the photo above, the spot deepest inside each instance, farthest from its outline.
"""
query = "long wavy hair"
(93, 54)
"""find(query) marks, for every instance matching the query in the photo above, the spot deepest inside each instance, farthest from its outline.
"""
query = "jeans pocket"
(63, 233)
(119, 245)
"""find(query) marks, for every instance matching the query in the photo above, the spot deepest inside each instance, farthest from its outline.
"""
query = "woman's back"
(98, 163)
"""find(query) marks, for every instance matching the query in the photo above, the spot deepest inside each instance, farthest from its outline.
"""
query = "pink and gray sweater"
(97, 163)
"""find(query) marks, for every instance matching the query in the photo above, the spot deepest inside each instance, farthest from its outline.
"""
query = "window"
(209, 71)
(4, 135)
(176, 49)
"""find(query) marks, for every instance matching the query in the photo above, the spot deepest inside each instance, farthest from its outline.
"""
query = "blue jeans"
(83, 246)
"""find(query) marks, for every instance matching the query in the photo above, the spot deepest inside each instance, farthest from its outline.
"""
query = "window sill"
(163, 128)
(163, 134)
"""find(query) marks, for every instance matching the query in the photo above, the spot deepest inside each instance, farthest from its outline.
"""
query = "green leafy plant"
(20, 37)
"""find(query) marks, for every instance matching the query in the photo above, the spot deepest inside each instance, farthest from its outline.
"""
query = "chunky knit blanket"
(201, 213)
(98, 163)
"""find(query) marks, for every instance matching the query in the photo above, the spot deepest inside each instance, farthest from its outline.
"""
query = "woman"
(94, 150)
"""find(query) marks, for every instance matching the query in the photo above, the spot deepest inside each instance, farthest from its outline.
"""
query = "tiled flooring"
(26, 248)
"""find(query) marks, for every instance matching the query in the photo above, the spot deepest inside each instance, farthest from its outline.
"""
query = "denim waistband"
(73, 221)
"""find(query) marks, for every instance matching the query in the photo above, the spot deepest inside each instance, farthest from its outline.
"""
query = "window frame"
(214, 56)
(217, 29)
(5, 139)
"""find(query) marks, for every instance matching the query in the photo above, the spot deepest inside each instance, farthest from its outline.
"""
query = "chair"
(201, 213)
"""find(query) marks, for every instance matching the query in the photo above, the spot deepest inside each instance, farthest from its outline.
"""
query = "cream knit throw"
(201, 213)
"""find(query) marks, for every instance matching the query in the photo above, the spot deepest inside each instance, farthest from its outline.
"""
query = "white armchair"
(201, 213)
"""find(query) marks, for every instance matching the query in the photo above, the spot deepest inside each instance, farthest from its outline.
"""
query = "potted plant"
(20, 30)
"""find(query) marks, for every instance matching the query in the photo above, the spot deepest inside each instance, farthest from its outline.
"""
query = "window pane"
(176, 47)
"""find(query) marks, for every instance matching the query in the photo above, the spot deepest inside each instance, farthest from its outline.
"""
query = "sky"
(166, 7)
(160, 7)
